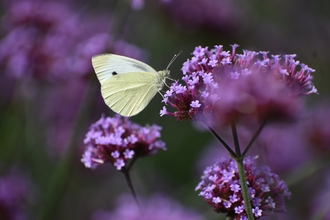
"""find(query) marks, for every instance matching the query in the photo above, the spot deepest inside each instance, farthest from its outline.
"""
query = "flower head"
(220, 188)
(117, 140)
(155, 208)
(225, 84)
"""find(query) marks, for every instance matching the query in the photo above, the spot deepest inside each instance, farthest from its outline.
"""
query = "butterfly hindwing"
(108, 65)
(130, 92)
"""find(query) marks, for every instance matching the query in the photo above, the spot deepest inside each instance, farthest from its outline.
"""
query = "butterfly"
(128, 85)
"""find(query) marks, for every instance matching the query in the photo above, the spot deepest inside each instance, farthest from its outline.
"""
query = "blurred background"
(50, 96)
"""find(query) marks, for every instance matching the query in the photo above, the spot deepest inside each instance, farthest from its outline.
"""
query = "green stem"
(217, 136)
(235, 137)
(125, 171)
(130, 184)
(130, 165)
(244, 188)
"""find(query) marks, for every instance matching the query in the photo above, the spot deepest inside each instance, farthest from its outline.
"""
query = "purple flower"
(220, 188)
(251, 84)
(317, 129)
(116, 140)
(283, 148)
(275, 146)
(155, 208)
(59, 121)
(14, 195)
(47, 40)
(137, 4)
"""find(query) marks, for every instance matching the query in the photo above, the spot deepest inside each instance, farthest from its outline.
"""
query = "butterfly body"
(127, 85)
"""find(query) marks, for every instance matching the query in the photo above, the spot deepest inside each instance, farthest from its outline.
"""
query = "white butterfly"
(127, 85)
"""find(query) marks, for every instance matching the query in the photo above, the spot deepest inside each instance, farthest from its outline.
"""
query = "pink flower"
(247, 86)
(116, 140)
(220, 188)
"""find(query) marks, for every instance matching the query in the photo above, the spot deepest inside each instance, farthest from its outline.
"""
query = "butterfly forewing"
(108, 65)
(130, 92)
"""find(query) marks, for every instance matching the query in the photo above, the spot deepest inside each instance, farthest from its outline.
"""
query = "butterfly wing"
(108, 65)
(129, 93)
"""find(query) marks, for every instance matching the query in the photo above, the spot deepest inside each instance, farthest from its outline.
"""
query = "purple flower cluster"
(13, 197)
(48, 40)
(117, 140)
(221, 189)
(155, 208)
(221, 85)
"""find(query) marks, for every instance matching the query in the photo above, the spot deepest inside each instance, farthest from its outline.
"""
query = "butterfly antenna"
(172, 60)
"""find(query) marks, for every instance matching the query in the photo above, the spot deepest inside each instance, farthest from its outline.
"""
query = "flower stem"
(256, 134)
(130, 185)
(235, 137)
(244, 188)
(221, 141)
(129, 167)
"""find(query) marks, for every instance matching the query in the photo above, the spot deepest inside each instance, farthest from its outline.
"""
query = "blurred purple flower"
(60, 105)
(116, 140)
(155, 208)
(221, 189)
(228, 85)
(283, 148)
(223, 15)
(47, 40)
(14, 196)
(317, 129)
(52, 41)
(139, 4)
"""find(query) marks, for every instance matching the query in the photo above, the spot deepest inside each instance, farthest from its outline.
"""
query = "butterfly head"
(161, 79)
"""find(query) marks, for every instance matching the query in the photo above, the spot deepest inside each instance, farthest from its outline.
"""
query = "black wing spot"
(114, 73)
(139, 67)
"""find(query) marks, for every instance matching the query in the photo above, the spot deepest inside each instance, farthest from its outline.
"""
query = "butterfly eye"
(114, 73)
